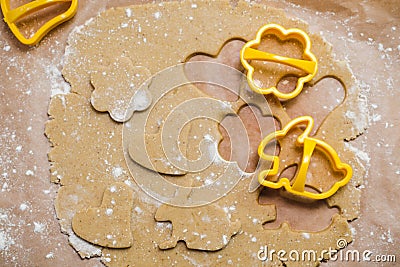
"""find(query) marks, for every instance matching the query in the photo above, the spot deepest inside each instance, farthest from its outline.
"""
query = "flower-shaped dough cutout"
(308, 63)
(117, 89)
(309, 144)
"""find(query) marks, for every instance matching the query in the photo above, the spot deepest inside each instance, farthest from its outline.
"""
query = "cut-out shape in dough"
(203, 114)
(334, 236)
(321, 106)
(235, 131)
(116, 89)
(110, 224)
(227, 55)
(206, 107)
(202, 228)
(301, 216)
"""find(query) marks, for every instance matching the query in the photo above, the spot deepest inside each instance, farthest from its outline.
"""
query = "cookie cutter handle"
(308, 149)
(254, 54)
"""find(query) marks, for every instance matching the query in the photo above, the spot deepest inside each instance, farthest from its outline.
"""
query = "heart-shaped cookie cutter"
(12, 16)
(308, 64)
(309, 145)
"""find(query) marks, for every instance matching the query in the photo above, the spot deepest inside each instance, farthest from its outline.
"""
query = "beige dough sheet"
(94, 158)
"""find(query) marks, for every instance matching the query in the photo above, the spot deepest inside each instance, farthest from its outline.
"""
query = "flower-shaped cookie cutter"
(12, 16)
(308, 64)
(309, 144)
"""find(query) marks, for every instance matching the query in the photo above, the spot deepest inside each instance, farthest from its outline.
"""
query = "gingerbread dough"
(88, 152)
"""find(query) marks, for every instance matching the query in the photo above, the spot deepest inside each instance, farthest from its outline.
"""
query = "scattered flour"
(376, 117)
(128, 12)
(39, 227)
(117, 172)
(388, 235)
(141, 100)
(50, 255)
(23, 206)
(306, 235)
(6, 240)
(29, 173)
(85, 249)
(157, 15)
(362, 155)
(138, 210)
(225, 239)
(109, 212)
(58, 84)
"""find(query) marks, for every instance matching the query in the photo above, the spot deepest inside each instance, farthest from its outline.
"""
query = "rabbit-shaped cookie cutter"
(309, 144)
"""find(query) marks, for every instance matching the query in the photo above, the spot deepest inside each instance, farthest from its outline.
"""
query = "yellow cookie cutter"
(309, 144)
(11, 16)
(308, 64)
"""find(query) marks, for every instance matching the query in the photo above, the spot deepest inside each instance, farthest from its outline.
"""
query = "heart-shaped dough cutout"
(110, 224)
